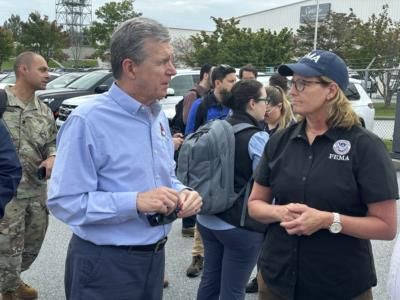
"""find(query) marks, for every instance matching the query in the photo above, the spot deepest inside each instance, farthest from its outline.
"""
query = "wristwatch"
(336, 225)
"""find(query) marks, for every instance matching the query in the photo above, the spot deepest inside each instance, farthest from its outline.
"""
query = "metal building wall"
(289, 15)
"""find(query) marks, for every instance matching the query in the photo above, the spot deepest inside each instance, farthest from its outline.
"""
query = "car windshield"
(9, 79)
(63, 80)
(87, 81)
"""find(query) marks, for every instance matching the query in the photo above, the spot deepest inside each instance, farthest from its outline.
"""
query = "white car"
(183, 81)
(361, 103)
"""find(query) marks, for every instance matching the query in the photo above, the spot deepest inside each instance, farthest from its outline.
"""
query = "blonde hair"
(339, 110)
(275, 95)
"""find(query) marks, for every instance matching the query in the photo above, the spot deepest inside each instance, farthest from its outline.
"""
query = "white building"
(291, 15)
(183, 32)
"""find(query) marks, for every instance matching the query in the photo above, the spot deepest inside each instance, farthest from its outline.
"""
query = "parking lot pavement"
(47, 272)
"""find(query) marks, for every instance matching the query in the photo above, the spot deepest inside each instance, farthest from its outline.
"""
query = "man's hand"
(190, 203)
(48, 164)
(162, 200)
(177, 138)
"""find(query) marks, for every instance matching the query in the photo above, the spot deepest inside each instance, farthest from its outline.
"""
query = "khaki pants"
(264, 293)
(198, 248)
(22, 232)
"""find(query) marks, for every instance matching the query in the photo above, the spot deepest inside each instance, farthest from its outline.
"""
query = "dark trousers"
(189, 222)
(264, 293)
(229, 257)
(107, 272)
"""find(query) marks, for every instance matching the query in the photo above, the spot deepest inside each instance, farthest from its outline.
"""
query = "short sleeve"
(262, 173)
(374, 170)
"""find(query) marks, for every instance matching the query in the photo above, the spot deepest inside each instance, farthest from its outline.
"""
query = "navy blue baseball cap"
(319, 63)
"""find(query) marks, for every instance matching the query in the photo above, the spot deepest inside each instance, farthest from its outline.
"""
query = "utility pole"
(316, 26)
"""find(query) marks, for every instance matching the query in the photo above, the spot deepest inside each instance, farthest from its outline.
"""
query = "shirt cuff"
(126, 205)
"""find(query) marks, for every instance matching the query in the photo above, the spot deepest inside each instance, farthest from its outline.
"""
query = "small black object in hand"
(41, 173)
(161, 219)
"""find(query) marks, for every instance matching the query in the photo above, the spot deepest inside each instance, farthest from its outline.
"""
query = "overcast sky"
(194, 14)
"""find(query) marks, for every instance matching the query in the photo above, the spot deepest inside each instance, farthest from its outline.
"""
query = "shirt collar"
(130, 104)
(15, 101)
(300, 132)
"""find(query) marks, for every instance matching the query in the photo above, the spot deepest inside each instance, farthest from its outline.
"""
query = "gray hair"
(128, 41)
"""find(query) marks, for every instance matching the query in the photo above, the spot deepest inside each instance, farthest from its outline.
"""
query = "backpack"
(206, 164)
(3, 102)
(177, 124)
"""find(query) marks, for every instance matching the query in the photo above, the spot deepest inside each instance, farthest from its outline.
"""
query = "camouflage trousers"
(22, 232)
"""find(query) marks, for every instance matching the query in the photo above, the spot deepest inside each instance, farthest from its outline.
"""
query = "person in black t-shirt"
(334, 188)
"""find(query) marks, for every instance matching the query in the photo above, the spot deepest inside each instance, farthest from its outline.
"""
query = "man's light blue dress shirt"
(110, 149)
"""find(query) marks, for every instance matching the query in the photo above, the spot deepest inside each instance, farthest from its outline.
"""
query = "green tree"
(360, 43)
(238, 46)
(335, 33)
(14, 24)
(110, 15)
(43, 37)
(379, 40)
(6, 45)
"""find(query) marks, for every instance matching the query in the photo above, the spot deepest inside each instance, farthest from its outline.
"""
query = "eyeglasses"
(300, 84)
(265, 100)
(271, 109)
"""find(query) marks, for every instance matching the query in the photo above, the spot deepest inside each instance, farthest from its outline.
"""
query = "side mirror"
(101, 89)
(170, 92)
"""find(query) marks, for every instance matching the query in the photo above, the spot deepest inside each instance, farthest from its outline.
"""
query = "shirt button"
(310, 157)
(155, 151)
(304, 178)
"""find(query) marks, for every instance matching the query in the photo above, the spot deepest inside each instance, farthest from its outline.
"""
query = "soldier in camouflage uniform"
(32, 128)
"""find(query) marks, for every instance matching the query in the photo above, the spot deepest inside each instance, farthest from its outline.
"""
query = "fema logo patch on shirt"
(341, 149)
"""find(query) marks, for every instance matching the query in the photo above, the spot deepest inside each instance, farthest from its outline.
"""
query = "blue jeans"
(229, 258)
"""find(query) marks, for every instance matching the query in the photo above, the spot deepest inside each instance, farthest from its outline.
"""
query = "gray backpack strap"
(246, 189)
(242, 126)
(246, 200)
(3, 102)
(183, 165)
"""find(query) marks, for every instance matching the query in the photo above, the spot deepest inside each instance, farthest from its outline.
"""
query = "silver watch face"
(335, 227)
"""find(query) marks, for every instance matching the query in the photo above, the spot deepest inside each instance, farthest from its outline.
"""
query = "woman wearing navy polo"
(334, 188)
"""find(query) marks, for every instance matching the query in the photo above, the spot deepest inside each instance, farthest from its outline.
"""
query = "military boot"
(195, 267)
(26, 292)
(9, 296)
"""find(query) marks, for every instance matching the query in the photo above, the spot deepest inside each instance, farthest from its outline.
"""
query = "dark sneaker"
(195, 267)
(188, 232)
(252, 286)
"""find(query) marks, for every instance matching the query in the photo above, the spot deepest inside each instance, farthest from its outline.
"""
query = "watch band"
(336, 218)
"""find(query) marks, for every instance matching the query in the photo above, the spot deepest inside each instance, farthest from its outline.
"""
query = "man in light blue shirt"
(113, 181)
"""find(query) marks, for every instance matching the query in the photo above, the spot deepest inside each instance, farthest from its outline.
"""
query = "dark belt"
(156, 247)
